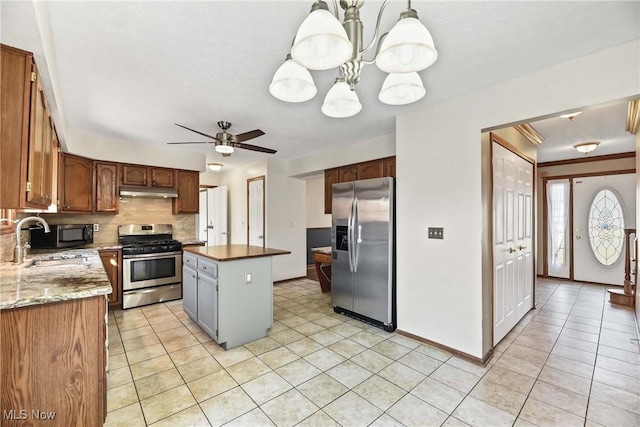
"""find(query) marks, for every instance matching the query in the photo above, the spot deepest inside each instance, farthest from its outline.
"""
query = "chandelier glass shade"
(293, 83)
(408, 47)
(322, 43)
(401, 89)
(341, 101)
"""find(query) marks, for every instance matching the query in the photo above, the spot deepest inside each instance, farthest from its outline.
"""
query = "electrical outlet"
(435, 232)
(96, 227)
(247, 278)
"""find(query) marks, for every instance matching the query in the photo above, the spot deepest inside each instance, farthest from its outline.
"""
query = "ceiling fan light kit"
(226, 143)
(586, 147)
(322, 43)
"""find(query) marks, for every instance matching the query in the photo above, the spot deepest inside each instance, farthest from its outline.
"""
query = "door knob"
(522, 247)
(511, 250)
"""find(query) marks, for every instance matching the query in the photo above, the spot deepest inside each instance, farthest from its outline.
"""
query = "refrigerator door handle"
(356, 242)
(350, 238)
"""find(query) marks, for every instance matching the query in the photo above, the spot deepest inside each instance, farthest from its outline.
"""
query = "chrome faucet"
(19, 252)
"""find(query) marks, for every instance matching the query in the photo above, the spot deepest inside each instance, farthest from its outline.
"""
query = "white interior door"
(603, 206)
(512, 239)
(559, 231)
(202, 217)
(217, 216)
(255, 188)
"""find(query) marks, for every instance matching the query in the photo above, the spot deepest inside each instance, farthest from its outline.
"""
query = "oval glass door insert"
(606, 227)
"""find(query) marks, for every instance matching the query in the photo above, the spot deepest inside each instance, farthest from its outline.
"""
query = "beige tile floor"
(573, 361)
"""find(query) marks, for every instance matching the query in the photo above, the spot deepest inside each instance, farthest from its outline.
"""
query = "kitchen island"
(53, 358)
(228, 291)
(322, 261)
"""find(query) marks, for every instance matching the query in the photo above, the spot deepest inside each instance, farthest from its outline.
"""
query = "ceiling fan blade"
(248, 135)
(254, 148)
(198, 132)
(195, 142)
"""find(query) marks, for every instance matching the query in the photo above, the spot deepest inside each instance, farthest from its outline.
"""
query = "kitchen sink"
(58, 261)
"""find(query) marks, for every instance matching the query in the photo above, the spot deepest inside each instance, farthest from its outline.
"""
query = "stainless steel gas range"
(152, 264)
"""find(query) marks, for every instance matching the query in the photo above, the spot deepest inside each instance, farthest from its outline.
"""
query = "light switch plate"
(436, 233)
(247, 278)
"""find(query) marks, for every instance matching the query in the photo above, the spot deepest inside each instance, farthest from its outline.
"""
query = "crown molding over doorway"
(588, 159)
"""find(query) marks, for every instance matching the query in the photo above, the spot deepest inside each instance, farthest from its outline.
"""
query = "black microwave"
(62, 236)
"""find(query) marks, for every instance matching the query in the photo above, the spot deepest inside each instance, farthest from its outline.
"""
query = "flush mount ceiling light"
(586, 147)
(322, 43)
(571, 115)
(215, 166)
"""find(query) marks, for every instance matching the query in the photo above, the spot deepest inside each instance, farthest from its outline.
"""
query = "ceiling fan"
(226, 143)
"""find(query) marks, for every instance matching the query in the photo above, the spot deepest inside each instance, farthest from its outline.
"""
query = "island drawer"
(208, 267)
(190, 260)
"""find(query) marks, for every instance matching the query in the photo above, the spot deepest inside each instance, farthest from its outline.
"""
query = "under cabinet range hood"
(130, 191)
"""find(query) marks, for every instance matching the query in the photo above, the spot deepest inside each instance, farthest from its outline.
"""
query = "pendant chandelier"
(322, 43)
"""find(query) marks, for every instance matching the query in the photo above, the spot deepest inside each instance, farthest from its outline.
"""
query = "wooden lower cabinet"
(53, 362)
(112, 263)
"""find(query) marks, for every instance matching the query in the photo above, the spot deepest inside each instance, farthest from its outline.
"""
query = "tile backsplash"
(132, 211)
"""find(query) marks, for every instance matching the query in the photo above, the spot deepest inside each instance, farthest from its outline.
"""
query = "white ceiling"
(130, 70)
(605, 125)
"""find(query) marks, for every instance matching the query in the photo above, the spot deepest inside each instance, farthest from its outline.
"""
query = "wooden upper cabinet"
(330, 178)
(107, 198)
(188, 185)
(390, 166)
(161, 177)
(40, 132)
(26, 134)
(76, 184)
(135, 175)
(348, 173)
(368, 170)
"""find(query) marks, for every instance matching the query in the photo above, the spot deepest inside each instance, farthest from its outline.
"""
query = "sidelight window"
(606, 227)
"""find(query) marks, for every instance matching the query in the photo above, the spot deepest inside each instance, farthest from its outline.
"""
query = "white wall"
(316, 218)
(236, 181)
(101, 148)
(285, 212)
(439, 292)
(286, 221)
(370, 149)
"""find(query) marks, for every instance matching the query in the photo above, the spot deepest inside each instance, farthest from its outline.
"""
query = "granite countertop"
(25, 284)
(322, 250)
(233, 252)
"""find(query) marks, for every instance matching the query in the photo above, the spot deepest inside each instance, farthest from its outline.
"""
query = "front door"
(512, 240)
(255, 211)
(603, 206)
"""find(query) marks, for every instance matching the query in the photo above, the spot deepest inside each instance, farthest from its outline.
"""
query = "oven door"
(143, 271)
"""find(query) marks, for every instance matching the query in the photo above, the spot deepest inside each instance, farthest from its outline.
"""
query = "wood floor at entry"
(512, 239)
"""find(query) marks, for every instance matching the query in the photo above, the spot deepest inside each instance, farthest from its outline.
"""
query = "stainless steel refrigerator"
(362, 243)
